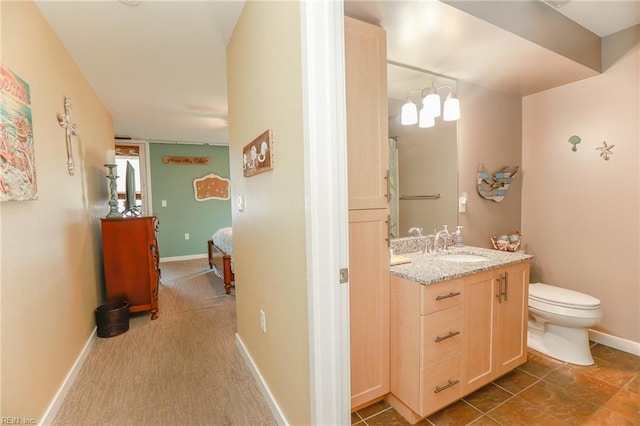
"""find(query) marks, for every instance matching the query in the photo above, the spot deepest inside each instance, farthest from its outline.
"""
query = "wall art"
(70, 129)
(605, 150)
(257, 156)
(498, 184)
(17, 158)
(172, 159)
(211, 187)
(574, 140)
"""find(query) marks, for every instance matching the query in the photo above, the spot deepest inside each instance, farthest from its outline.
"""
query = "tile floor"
(544, 392)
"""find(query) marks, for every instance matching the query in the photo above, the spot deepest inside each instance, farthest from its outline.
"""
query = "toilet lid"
(562, 296)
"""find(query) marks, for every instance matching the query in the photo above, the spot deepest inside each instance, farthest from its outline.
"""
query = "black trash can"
(112, 319)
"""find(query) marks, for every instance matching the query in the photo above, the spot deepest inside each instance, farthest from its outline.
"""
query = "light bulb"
(451, 109)
(431, 103)
(409, 114)
(426, 120)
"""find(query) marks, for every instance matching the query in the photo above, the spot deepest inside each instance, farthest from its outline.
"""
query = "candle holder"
(113, 200)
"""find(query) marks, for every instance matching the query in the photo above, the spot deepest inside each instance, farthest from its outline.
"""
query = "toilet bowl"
(559, 321)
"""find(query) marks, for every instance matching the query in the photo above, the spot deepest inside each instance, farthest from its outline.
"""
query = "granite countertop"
(428, 268)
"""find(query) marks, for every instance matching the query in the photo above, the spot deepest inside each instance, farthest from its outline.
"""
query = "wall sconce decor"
(430, 107)
(257, 156)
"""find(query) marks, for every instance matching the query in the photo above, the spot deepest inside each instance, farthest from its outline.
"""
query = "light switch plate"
(240, 202)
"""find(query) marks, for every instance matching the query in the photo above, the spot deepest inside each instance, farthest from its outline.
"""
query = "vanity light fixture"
(409, 113)
(430, 107)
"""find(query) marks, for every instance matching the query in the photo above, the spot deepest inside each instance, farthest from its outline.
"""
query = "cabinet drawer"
(441, 384)
(435, 297)
(441, 334)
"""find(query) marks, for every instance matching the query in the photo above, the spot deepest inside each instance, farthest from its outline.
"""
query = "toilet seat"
(563, 297)
(563, 301)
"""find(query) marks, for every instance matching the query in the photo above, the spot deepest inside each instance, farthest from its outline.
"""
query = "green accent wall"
(183, 214)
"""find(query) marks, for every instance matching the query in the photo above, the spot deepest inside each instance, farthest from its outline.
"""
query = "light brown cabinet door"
(369, 305)
(510, 344)
(367, 118)
(478, 328)
(495, 324)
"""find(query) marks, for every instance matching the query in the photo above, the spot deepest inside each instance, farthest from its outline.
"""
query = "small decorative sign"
(498, 183)
(211, 187)
(17, 158)
(169, 159)
(257, 156)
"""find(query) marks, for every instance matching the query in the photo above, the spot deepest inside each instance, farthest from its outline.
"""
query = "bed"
(220, 248)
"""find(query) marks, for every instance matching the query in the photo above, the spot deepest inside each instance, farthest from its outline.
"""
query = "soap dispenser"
(459, 236)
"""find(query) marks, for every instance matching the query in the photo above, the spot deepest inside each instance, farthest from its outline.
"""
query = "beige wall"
(580, 213)
(50, 247)
(489, 133)
(265, 92)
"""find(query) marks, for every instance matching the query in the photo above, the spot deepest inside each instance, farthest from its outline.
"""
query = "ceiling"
(159, 67)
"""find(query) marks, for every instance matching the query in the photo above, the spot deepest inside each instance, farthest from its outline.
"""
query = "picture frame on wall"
(17, 157)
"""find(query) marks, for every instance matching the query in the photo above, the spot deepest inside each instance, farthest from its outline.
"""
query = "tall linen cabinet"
(368, 164)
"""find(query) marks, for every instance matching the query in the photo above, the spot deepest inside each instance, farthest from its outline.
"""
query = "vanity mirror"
(423, 160)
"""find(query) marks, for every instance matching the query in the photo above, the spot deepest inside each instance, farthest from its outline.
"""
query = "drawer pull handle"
(439, 389)
(448, 336)
(446, 296)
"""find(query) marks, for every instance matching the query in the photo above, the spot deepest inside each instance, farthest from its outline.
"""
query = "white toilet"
(559, 321)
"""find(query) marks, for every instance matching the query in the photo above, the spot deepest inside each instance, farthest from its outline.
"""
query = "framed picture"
(17, 159)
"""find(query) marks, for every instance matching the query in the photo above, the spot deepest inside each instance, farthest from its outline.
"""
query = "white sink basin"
(458, 257)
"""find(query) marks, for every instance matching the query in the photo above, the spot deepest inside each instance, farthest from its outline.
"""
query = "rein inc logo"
(17, 421)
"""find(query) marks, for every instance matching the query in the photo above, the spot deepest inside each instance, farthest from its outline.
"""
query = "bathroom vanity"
(455, 325)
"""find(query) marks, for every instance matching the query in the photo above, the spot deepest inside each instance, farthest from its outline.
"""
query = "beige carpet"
(181, 369)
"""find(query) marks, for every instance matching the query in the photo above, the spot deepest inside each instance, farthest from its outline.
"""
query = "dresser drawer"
(441, 384)
(441, 334)
(435, 297)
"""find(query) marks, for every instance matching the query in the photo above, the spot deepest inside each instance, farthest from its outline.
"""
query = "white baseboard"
(619, 343)
(187, 257)
(273, 404)
(54, 406)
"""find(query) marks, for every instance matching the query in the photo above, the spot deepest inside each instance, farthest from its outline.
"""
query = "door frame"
(145, 171)
(327, 236)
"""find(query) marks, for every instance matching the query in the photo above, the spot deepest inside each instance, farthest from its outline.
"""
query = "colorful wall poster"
(17, 160)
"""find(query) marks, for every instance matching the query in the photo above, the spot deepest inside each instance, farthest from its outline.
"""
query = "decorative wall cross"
(70, 129)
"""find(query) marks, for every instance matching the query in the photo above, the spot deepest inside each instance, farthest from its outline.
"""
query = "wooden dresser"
(132, 262)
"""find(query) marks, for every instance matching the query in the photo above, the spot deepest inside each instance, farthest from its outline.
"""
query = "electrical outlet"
(186, 236)
(263, 321)
(164, 203)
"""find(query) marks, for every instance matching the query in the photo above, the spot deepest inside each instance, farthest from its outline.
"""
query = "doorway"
(134, 153)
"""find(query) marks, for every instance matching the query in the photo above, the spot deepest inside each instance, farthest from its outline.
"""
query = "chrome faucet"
(447, 236)
(416, 229)
(429, 244)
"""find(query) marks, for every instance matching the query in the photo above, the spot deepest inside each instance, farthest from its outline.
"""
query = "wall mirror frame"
(423, 162)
